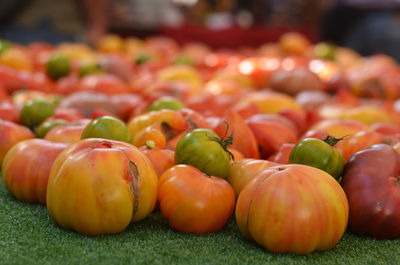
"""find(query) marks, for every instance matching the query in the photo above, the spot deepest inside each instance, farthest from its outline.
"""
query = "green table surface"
(28, 235)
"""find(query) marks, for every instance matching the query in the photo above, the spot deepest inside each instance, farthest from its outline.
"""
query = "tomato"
(194, 202)
(103, 83)
(10, 134)
(107, 127)
(90, 68)
(162, 159)
(35, 111)
(47, 125)
(320, 154)
(166, 103)
(203, 149)
(239, 128)
(26, 168)
(10, 111)
(357, 142)
(58, 66)
(158, 126)
(293, 209)
(99, 186)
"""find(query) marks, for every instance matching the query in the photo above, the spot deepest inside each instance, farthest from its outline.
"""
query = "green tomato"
(46, 126)
(204, 150)
(35, 111)
(325, 50)
(320, 154)
(58, 66)
(107, 127)
(90, 68)
(166, 103)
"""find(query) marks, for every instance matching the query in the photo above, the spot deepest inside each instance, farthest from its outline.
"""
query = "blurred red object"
(232, 37)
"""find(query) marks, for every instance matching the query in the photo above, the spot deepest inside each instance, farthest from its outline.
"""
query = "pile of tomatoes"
(297, 140)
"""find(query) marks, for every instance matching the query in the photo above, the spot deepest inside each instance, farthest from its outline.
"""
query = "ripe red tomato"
(194, 202)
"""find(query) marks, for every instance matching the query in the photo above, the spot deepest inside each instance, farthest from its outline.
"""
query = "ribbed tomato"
(293, 208)
(98, 186)
(194, 202)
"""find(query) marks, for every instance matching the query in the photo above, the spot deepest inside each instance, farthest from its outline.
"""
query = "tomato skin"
(194, 202)
(293, 209)
(196, 148)
(317, 153)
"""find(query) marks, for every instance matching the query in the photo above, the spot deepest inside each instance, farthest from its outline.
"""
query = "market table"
(29, 236)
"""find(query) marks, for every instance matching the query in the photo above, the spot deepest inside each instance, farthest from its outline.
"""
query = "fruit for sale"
(107, 127)
(26, 169)
(47, 125)
(204, 150)
(99, 186)
(35, 111)
(58, 66)
(320, 154)
(166, 103)
(293, 209)
(10, 134)
(193, 202)
(371, 184)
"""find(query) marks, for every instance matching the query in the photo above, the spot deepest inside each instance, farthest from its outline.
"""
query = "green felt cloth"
(29, 236)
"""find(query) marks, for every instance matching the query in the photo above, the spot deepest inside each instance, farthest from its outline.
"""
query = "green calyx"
(225, 141)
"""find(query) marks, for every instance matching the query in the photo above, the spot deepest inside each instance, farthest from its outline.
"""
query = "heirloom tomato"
(194, 202)
(293, 209)
(320, 154)
(26, 168)
(98, 186)
(204, 150)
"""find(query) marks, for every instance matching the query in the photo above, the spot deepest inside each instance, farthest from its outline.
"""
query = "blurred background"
(367, 26)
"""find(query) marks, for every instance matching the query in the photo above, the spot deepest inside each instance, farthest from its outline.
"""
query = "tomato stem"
(331, 140)
(225, 140)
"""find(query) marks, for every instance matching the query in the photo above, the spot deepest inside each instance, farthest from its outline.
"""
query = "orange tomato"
(194, 202)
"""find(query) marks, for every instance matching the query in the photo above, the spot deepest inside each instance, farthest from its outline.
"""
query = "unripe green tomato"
(202, 149)
(317, 153)
(35, 111)
(107, 127)
(46, 126)
(58, 66)
(166, 103)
